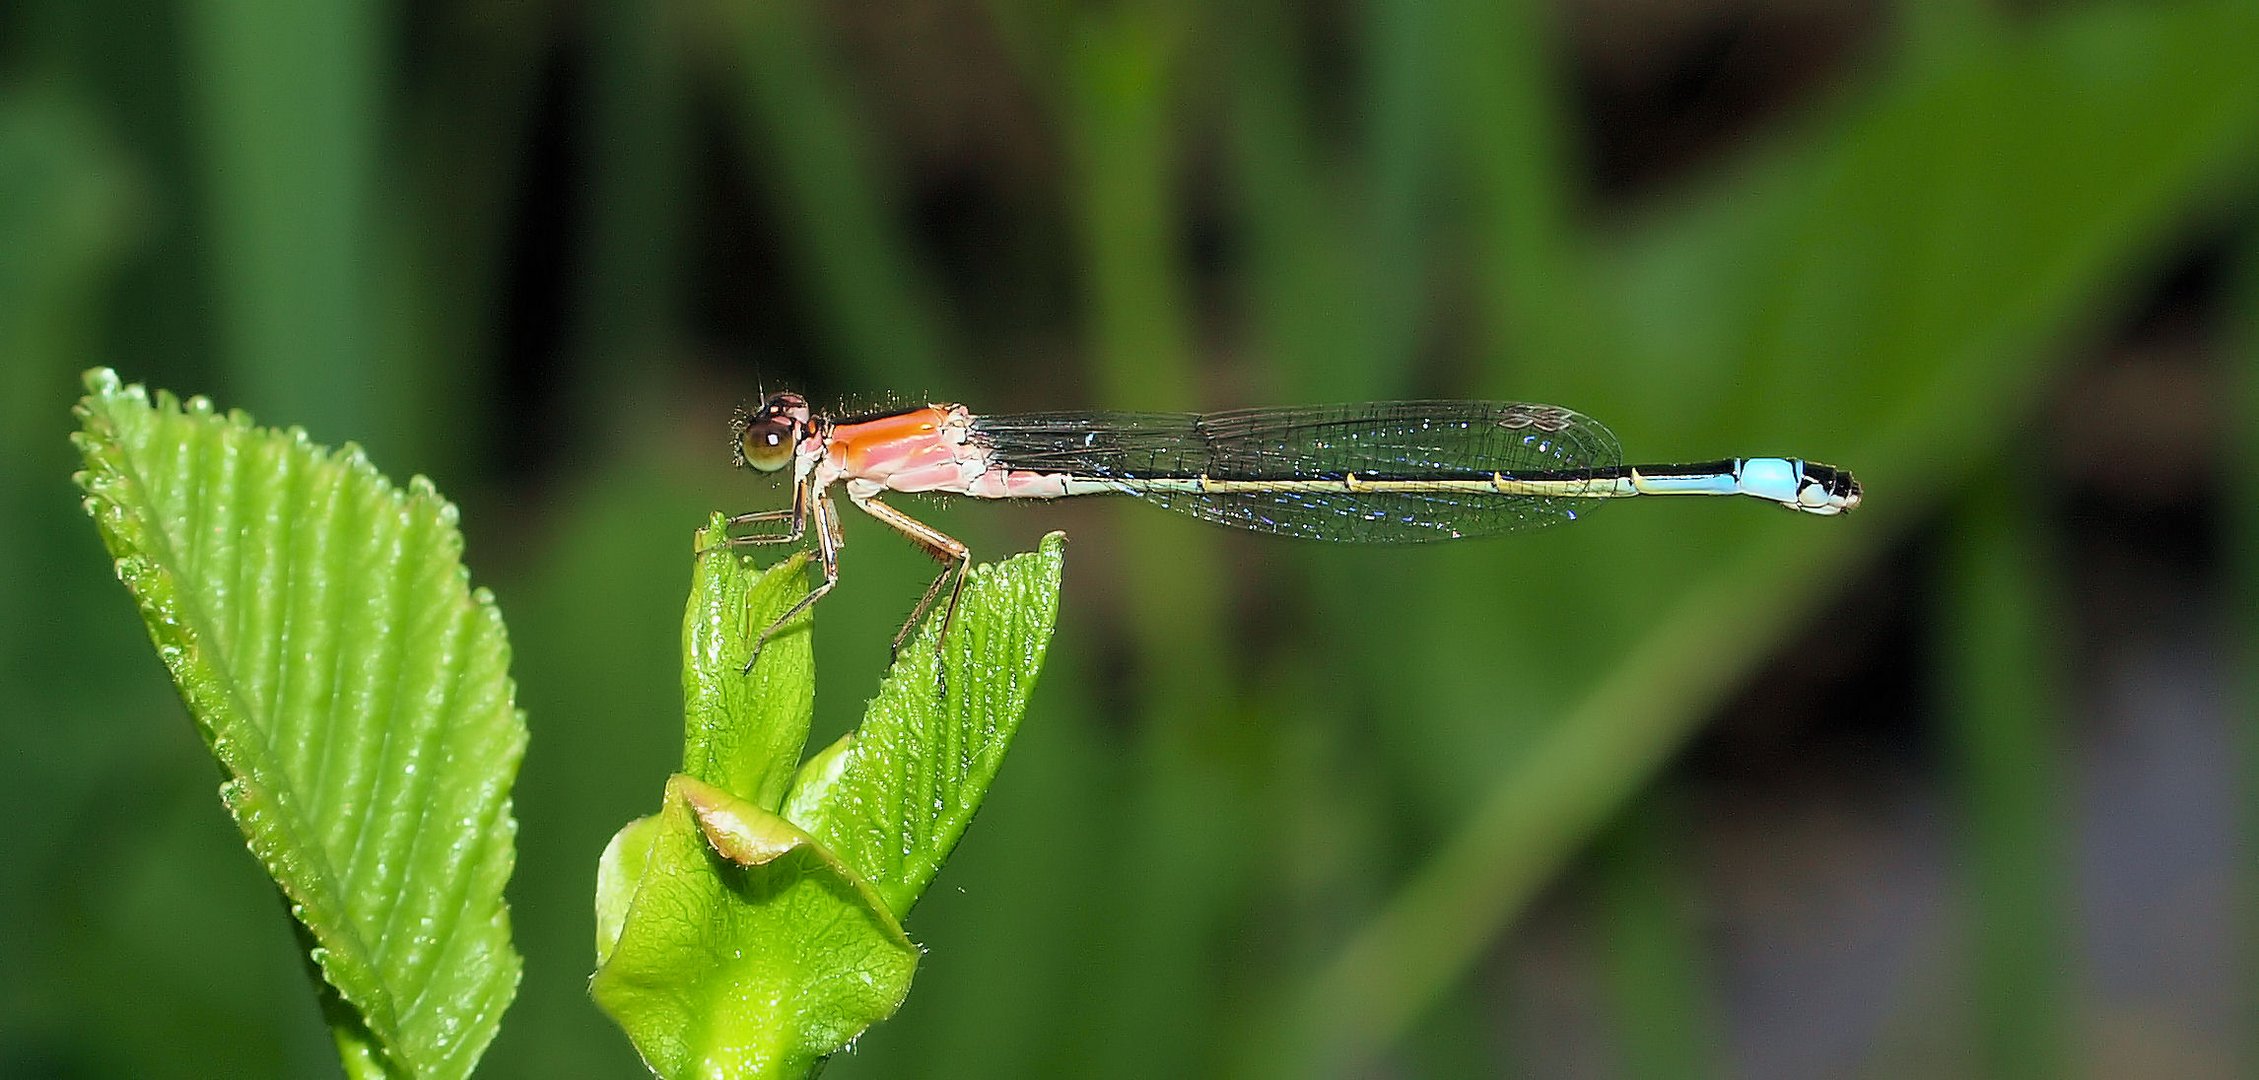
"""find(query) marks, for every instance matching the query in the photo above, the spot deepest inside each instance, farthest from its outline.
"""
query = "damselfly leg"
(797, 514)
(828, 542)
(759, 516)
(956, 560)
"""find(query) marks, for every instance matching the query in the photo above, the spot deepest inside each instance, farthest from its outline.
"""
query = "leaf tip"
(100, 381)
(103, 386)
(711, 535)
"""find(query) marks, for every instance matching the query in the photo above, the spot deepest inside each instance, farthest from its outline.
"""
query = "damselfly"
(1376, 472)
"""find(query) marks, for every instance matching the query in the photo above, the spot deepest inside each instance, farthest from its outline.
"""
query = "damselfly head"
(765, 438)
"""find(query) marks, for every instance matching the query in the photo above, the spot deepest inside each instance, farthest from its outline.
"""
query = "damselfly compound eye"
(767, 443)
(768, 436)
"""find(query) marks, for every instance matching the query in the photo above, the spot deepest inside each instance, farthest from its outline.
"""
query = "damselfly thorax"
(1373, 472)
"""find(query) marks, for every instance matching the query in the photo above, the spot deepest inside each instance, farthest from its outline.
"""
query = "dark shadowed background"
(1962, 784)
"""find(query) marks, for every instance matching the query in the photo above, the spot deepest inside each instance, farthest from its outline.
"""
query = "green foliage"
(322, 631)
(1296, 805)
(1924, 250)
(751, 927)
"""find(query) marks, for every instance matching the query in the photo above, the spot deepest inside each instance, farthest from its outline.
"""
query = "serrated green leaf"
(355, 690)
(893, 798)
(745, 949)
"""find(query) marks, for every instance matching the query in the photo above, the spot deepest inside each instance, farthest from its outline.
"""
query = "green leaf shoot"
(354, 688)
(744, 948)
(752, 926)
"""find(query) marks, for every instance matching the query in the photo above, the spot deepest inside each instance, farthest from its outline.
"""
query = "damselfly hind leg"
(828, 542)
(956, 560)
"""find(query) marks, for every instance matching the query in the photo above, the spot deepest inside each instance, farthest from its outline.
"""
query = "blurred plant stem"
(1531, 333)
(2001, 666)
(819, 151)
(1653, 951)
(1510, 114)
(465, 130)
(1403, 136)
(630, 283)
(1335, 307)
(1121, 105)
(1125, 160)
(288, 104)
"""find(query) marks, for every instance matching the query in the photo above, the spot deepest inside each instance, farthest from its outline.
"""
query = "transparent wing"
(1316, 448)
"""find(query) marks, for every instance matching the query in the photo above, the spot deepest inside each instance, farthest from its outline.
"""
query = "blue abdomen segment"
(1777, 479)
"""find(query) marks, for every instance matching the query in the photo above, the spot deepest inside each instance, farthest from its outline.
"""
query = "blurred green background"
(1961, 785)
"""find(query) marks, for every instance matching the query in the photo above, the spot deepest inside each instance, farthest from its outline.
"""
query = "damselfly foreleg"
(828, 542)
(797, 514)
(954, 556)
